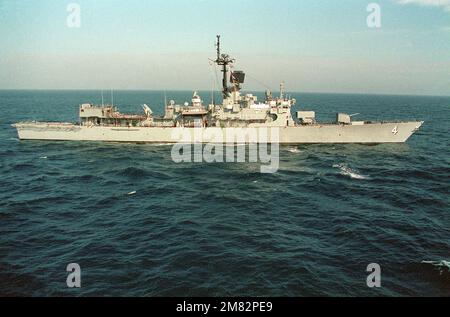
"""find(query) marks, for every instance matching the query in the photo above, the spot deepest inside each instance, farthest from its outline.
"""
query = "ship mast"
(223, 60)
(282, 88)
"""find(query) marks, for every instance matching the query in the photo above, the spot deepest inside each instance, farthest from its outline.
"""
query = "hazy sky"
(320, 46)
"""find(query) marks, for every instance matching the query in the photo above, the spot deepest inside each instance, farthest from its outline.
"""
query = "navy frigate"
(239, 118)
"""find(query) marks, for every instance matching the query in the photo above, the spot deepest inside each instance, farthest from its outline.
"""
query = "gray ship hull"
(392, 132)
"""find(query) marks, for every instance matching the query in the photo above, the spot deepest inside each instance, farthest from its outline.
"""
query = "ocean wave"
(79, 178)
(442, 266)
(347, 171)
(16, 283)
(132, 172)
(22, 166)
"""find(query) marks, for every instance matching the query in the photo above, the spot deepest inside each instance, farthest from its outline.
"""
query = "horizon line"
(206, 90)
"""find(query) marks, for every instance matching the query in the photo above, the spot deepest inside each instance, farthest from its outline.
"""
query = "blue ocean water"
(223, 229)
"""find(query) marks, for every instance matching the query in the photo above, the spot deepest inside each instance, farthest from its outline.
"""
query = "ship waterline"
(368, 133)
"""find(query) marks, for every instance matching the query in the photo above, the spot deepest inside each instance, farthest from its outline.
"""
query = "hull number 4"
(395, 130)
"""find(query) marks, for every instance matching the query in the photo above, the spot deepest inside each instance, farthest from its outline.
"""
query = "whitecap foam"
(294, 150)
(347, 171)
(440, 264)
